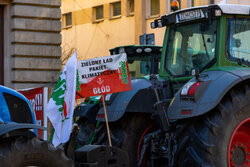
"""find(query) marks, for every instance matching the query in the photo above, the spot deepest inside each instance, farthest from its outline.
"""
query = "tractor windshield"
(139, 66)
(190, 46)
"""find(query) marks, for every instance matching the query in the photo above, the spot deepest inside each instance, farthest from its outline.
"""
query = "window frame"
(128, 6)
(65, 26)
(149, 12)
(228, 55)
(111, 10)
(94, 14)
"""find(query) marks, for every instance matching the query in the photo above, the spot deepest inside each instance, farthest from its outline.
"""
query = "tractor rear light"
(100, 115)
(185, 88)
(186, 112)
(193, 88)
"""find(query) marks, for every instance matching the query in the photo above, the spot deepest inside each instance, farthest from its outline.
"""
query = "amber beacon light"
(174, 5)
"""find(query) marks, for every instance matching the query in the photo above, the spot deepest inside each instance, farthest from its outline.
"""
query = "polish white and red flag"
(103, 75)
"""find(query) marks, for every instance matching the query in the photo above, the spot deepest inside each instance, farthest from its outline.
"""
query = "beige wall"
(95, 39)
(243, 2)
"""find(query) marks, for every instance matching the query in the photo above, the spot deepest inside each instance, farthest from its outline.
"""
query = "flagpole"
(106, 120)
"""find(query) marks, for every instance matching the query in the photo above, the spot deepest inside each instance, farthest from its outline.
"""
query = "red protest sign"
(36, 98)
(103, 75)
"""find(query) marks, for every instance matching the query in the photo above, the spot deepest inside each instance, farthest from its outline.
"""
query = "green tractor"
(201, 110)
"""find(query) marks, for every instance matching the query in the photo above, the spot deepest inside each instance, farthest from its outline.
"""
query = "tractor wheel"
(221, 138)
(126, 133)
(23, 152)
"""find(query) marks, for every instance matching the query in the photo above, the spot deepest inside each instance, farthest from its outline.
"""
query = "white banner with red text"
(103, 75)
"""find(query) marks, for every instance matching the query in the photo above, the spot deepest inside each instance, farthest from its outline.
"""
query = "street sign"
(103, 75)
(147, 39)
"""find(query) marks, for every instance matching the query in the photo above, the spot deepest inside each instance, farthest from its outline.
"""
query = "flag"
(61, 104)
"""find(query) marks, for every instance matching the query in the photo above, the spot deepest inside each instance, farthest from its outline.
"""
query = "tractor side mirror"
(195, 72)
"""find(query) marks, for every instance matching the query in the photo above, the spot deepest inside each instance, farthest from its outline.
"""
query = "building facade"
(30, 39)
(93, 27)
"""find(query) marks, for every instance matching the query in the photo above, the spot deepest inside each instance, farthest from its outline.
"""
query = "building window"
(130, 7)
(67, 17)
(115, 9)
(98, 13)
(154, 7)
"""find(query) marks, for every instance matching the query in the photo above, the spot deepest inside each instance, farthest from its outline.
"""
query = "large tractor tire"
(126, 134)
(23, 152)
(221, 138)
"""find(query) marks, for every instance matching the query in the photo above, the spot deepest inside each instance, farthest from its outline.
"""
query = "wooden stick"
(106, 120)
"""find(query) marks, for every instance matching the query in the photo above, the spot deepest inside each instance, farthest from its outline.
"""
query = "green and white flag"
(61, 104)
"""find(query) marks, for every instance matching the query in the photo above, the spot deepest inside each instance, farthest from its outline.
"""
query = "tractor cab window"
(139, 66)
(18, 108)
(190, 46)
(238, 40)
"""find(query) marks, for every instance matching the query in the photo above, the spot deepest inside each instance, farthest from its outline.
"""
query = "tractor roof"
(4, 89)
(235, 9)
(225, 8)
(200, 12)
(137, 50)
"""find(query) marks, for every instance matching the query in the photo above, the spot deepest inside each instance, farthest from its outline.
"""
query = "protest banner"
(38, 98)
(103, 75)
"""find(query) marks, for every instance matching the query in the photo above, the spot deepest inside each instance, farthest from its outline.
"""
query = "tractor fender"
(87, 111)
(136, 100)
(9, 127)
(208, 95)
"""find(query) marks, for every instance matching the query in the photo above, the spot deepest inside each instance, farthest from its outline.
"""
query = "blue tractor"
(19, 144)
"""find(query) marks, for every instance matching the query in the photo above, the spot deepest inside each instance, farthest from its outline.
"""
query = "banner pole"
(106, 120)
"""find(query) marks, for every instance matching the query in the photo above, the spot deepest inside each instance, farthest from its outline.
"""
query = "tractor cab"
(204, 38)
(142, 59)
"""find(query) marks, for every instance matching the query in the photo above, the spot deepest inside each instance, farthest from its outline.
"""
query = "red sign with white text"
(103, 75)
(35, 96)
